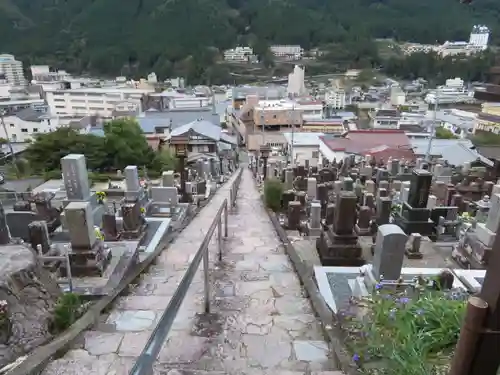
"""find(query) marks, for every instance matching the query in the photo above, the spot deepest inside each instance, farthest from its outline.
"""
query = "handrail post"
(225, 219)
(219, 237)
(206, 281)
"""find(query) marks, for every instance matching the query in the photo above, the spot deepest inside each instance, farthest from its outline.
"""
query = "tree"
(45, 153)
(125, 144)
(443, 133)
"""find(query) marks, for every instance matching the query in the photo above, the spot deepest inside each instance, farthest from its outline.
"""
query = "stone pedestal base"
(362, 231)
(425, 228)
(136, 234)
(412, 255)
(339, 251)
(313, 232)
(87, 262)
(485, 235)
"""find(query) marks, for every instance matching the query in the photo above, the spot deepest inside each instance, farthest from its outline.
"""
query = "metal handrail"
(145, 361)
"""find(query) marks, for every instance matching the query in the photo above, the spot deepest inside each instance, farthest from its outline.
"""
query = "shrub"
(273, 190)
(405, 336)
(68, 309)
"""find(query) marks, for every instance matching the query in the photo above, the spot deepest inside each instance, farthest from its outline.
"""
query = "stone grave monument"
(338, 245)
(88, 257)
(389, 252)
(415, 216)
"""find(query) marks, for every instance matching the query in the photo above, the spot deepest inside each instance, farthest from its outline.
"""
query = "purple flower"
(356, 357)
(378, 286)
(404, 300)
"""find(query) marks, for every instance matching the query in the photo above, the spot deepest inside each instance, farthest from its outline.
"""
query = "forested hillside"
(109, 36)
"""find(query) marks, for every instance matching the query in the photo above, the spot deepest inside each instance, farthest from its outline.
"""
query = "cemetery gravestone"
(75, 176)
(389, 252)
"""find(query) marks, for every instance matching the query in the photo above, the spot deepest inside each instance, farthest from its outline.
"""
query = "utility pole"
(433, 129)
(7, 138)
(292, 120)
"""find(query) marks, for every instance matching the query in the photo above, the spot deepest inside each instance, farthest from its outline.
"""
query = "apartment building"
(335, 97)
(12, 69)
(291, 52)
(26, 124)
(90, 101)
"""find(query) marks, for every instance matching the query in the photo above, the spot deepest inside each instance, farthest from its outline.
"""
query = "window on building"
(24, 130)
(315, 154)
(35, 130)
(12, 125)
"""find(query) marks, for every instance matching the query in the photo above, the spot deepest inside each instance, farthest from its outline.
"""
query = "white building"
(335, 96)
(398, 96)
(43, 73)
(12, 69)
(296, 85)
(90, 101)
(291, 52)
(453, 91)
(152, 78)
(479, 36)
(305, 147)
(5, 88)
(239, 54)
(26, 124)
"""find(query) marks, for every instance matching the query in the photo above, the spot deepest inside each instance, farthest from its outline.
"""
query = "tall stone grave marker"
(389, 252)
(76, 178)
(88, 256)
(4, 229)
(485, 232)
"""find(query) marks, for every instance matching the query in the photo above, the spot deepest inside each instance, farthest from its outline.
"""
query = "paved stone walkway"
(261, 322)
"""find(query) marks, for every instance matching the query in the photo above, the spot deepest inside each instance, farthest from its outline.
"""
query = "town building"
(479, 36)
(305, 147)
(239, 94)
(381, 144)
(12, 70)
(24, 125)
(460, 123)
(44, 73)
(489, 118)
(204, 139)
(289, 52)
(89, 101)
(296, 86)
(240, 54)
(335, 96)
(453, 91)
(397, 96)
(454, 151)
(384, 119)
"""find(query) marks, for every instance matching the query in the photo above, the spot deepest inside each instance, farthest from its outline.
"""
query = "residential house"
(204, 138)
(24, 125)
(305, 147)
(454, 151)
(381, 144)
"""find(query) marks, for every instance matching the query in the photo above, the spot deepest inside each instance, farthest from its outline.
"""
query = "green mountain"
(109, 36)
